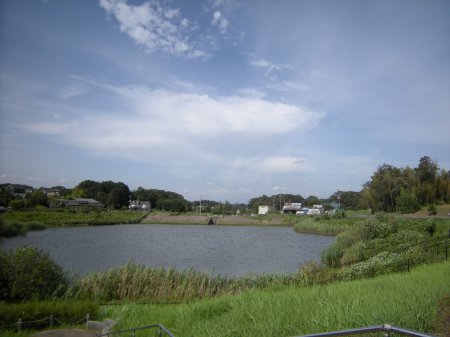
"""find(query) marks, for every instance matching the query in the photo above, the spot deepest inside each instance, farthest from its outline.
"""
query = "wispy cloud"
(153, 27)
(220, 21)
(268, 66)
(274, 73)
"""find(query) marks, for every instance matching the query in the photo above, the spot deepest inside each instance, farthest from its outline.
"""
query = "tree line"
(407, 189)
(389, 189)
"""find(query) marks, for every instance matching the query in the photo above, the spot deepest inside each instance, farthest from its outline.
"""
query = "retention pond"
(226, 250)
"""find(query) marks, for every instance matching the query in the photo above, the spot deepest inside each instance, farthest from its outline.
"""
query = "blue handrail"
(370, 329)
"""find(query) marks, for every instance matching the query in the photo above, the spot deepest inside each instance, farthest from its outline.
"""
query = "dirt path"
(166, 218)
(66, 333)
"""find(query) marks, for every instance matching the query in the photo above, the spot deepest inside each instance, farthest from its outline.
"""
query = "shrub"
(332, 256)
(432, 210)
(28, 273)
(10, 229)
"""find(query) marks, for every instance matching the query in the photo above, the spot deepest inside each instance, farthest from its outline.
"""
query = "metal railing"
(132, 331)
(50, 321)
(371, 329)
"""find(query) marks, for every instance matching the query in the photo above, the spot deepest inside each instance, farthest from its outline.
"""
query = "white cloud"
(220, 21)
(151, 26)
(177, 124)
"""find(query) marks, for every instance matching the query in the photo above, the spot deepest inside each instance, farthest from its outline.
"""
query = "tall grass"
(407, 300)
(322, 224)
(139, 283)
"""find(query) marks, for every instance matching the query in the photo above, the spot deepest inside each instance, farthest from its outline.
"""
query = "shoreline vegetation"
(13, 223)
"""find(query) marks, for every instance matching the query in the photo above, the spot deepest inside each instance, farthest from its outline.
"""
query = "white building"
(264, 209)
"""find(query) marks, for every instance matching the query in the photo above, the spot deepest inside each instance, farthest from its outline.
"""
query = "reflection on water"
(231, 251)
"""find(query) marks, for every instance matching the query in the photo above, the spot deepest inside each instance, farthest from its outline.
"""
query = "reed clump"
(140, 283)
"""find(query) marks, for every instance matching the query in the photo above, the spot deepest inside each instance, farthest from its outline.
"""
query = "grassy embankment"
(18, 222)
(407, 300)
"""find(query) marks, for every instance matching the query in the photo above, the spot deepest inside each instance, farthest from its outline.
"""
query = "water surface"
(225, 250)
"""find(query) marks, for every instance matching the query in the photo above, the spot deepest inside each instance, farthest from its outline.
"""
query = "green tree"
(172, 205)
(119, 196)
(36, 198)
(384, 187)
(407, 202)
(426, 173)
(28, 273)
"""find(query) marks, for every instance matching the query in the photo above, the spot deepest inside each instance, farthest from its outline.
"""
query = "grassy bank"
(18, 222)
(408, 300)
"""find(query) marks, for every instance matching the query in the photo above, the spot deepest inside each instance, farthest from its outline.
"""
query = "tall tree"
(426, 173)
(384, 188)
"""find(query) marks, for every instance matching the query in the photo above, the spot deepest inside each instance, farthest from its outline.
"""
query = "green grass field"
(408, 300)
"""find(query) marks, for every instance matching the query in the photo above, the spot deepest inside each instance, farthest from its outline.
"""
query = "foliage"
(114, 195)
(163, 200)
(407, 202)
(172, 205)
(28, 273)
(36, 198)
(383, 243)
(66, 311)
(11, 229)
(432, 210)
(324, 224)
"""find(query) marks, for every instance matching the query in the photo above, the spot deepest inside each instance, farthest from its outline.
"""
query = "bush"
(28, 273)
(432, 210)
(332, 256)
(10, 229)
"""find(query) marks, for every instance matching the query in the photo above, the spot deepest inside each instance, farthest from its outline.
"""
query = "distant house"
(136, 205)
(79, 203)
(18, 190)
(264, 209)
(54, 191)
(292, 207)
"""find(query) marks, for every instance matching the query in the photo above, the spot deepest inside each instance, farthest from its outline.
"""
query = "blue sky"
(222, 99)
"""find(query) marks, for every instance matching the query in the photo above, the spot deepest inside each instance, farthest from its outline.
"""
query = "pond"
(226, 250)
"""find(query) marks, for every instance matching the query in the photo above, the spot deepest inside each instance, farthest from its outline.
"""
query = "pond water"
(226, 250)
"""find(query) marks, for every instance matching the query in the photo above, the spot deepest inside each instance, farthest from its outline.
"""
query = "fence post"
(87, 321)
(51, 320)
(19, 324)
